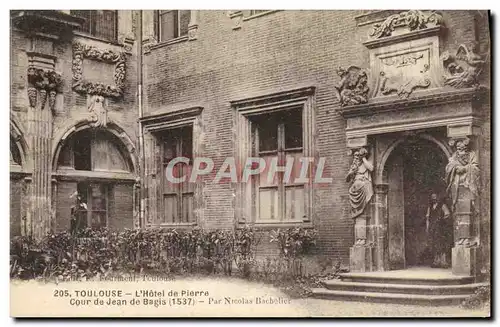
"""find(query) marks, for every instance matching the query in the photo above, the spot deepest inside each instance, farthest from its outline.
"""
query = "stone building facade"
(407, 87)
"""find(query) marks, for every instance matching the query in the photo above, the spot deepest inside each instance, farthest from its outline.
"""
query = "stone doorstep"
(396, 298)
(415, 280)
(336, 285)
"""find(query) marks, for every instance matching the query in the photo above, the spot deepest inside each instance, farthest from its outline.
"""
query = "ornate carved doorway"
(415, 169)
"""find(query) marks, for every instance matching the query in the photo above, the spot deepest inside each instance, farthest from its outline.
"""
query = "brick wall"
(273, 52)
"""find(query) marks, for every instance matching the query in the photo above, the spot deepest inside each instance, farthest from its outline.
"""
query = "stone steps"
(420, 287)
(414, 280)
(337, 285)
(397, 298)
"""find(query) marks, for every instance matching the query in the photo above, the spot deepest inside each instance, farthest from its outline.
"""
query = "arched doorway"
(414, 169)
(95, 181)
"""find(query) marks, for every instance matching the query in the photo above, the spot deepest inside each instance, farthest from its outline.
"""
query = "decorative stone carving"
(402, 88)
(462, 171)
(411, 20)
(81, 52)
(463, 69)
(98, 112)
(360, 179)
(45, 82)
(352, 88)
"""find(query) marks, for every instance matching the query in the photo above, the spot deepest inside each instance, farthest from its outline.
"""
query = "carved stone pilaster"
(463, 186)
(47, 83)
(193, 25)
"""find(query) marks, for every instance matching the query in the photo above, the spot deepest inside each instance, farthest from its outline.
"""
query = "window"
(91, 209)
(278, 137)
(276, 127)
(99, 23)
(177, 197)
(172, 24)
(93, 151)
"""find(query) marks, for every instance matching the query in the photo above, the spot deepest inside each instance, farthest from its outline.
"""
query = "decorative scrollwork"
(81, 52)
(45, 82)
(413, 19)
(463, 69)
(352, 88)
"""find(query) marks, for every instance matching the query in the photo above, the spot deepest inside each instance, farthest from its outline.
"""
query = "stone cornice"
(48, 22)
(291, 95)
(425, 99)
(162, 119)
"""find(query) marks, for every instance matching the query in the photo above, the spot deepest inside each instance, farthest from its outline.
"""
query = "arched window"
(95, 182)
(94, 151)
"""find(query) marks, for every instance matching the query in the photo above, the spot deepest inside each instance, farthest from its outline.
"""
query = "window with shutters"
(92, 206)
(172, 24)
(277, 129)
(102, 24)
(177, 197)
(278, 140)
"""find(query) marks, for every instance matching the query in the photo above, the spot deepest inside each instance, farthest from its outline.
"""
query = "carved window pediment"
(83, 52)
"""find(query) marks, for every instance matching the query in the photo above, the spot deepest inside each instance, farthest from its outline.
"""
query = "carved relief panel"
(404, 53)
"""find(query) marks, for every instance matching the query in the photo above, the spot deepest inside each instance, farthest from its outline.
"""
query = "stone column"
(380, 222)
(43, 87)
(362, 253)
(149, 187)
(466, 211)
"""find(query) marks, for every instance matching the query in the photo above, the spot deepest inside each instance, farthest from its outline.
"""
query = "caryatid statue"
(462, 170)
(361, 189)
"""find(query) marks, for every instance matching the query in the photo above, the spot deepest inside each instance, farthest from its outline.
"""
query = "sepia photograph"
(250, 163)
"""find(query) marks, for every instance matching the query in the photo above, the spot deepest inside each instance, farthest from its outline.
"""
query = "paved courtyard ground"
(210, 297)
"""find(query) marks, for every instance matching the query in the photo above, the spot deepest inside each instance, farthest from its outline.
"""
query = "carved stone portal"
(352, 88)
(98, 112)
(463, 69)
(407, 21)
(46, 82)
(81, 52)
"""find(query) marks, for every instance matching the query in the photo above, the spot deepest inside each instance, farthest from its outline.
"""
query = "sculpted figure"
(361, 189)
(463, 69)
(462, 170)
(98, 111)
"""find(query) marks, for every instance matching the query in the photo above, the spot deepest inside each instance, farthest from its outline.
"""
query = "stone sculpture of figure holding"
(98, 111)
(462, 171)
(361, 189)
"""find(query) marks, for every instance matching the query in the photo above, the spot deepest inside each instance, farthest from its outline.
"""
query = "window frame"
(179, 191)
(281, 154)
(92, 20)
(177, 36)
(245, 109)
(163, 120)
(89, 202)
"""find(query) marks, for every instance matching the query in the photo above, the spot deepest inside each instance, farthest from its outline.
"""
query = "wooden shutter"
(15, 206)
(121, 206)
(64, 203)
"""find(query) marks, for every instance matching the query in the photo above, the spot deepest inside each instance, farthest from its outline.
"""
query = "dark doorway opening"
(423, 173)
